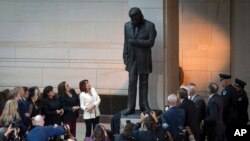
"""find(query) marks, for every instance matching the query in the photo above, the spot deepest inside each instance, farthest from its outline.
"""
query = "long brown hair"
(82, 85)
(61, 88)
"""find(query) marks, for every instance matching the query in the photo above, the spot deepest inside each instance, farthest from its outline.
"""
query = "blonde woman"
(9, 113)
(89, 101)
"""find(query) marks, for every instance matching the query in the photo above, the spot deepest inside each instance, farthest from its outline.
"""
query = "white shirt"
(86, 99)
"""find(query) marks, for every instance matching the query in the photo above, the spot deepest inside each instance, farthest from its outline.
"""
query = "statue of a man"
(139, 38)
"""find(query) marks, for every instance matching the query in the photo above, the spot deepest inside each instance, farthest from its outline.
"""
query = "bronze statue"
(139, 38)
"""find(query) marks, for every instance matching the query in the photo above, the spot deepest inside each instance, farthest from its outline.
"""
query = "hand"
(10, 129)
(58, 111)
(153, 114)
(62, 112)
(74, 108)
(202, 124)
(189, 130)
(143, 117)
(132, 41)
(27, 114)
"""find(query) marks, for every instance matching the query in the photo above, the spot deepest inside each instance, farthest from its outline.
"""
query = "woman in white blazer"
(89, 102)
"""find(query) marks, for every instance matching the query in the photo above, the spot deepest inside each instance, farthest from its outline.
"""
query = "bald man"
(174, 117)
(41, 132)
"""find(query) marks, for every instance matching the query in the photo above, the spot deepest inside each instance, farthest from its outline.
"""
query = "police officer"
(229, 99)
(242, 103)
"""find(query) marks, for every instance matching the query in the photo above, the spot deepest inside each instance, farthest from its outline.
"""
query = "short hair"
(172, 98)
(133, 11)
(37, 119)
(212, 87)
(183, 93)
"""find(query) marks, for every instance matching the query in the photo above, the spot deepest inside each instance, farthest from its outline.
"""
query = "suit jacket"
(213, 123)
(86, 99)
(22, 109)
(174, 117)
(229, 98)
(49, 109)
(140, 52)
(39, 133)
(242, 107)
(191, 117)
(67, 104)
(200, 106)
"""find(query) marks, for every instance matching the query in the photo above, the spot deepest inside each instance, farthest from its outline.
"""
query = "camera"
(15, 123)
(182, 130)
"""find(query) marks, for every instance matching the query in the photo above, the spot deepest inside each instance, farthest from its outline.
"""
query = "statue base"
(134, 118)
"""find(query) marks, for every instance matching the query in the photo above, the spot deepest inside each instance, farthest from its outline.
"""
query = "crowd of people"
(28, 114)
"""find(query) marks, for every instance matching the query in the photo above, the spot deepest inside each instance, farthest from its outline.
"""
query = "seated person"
(41, 132)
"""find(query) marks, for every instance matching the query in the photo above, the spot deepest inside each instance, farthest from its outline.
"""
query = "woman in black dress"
(52, 108)
(70, 103)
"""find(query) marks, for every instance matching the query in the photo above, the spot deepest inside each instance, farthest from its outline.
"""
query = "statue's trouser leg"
(143, 91)
(132, 88)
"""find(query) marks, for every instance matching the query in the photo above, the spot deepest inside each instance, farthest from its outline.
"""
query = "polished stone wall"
(45, 42)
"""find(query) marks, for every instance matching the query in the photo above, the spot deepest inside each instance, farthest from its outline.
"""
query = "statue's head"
(136, 16)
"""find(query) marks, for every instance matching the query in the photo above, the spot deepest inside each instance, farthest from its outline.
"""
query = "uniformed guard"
(229, 98)
(242, 103)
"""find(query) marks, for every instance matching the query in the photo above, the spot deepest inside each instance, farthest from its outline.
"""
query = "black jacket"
(67, 104)
(229, 105)
(191, 119)
(213, 123)
(141, 50)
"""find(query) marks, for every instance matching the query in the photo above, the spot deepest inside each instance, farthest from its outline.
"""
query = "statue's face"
(136, 19)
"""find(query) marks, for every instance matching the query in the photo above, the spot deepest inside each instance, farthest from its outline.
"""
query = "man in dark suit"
(229, 98)
(139, 38)
(213, 123)
(191, 112)
(173, 117)
(199, 103)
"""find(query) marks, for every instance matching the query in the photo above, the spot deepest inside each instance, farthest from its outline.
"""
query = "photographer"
(44, 132)
(11, 134)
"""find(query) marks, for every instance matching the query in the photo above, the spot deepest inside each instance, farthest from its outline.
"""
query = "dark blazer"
(22, 109)
(229, 105)
(141, 50)
(191, 117)
(213, 123)
(174, 117)
(67, 104)
(242, 106)
(200, 106)
(49, 109)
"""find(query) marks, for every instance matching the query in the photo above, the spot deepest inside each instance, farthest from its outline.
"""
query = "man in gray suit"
(200, 105)
(139, 38)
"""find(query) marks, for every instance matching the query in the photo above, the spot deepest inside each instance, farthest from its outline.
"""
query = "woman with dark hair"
(52, 108)
(33, 108)
(70, 104)
(90, 101)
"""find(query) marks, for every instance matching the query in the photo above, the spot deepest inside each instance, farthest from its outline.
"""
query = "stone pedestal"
(134, 118)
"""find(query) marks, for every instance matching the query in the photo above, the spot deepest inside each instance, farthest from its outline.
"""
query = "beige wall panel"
(20, 31)
(11, 77)
(42, 53)
(7, 52)
(96, 53)
(112, 78)
(53, 76)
